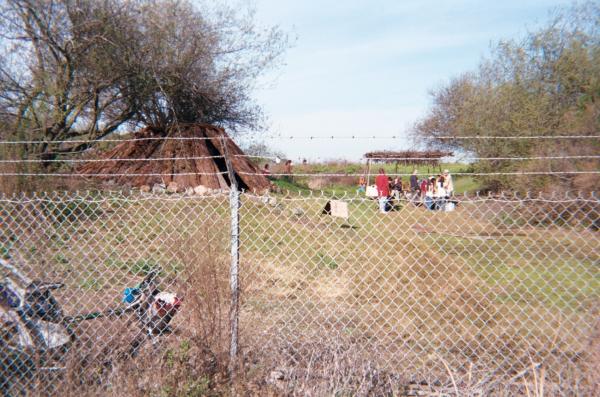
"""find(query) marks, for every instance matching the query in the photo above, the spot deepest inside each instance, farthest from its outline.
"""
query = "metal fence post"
(234, 203)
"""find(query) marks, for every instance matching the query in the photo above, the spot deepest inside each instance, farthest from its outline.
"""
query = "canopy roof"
(408, 156)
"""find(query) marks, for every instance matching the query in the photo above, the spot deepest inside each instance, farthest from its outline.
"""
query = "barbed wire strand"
(274, 158)
(463, 137)
(514, 137)
(109, 160)
(110, 174)
(489, 158)
(515, 173)
(110, 140)
(420, 174)
(311, 137)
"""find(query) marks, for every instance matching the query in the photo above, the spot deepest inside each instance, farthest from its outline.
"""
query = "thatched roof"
(408, 156)
(176, 155)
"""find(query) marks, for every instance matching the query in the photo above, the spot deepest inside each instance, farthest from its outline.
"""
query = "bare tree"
(197, 67)
(48, 86)
(83, 68)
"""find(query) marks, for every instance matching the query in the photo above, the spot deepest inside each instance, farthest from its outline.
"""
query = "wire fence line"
(277, 159)
(469, 158)
(149, 160)
(294, 174)
(466, 198)
(488, 284)
(458, 137)
(506, 173)
(293, 137)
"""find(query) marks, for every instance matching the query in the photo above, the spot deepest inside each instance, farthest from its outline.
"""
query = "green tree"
(546, 84)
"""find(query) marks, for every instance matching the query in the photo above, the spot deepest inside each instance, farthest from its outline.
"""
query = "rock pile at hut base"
(173, 188)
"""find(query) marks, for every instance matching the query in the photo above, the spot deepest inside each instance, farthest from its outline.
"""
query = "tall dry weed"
(189, 361)
(206, 290)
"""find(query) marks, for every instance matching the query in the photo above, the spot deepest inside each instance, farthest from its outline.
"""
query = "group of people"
(434, 192)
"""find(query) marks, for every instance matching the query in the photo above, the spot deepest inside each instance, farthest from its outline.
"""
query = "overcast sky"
(365, 68)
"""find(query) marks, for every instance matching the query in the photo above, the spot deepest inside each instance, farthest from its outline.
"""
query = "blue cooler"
(130, 295)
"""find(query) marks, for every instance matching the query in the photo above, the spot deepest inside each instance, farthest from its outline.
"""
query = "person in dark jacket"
(397, 189)
(414, 181)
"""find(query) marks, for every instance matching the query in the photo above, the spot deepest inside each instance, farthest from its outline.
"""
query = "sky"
(366, 68)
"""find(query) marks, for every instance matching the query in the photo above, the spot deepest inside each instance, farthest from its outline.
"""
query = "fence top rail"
(134, 195)
(303, 175)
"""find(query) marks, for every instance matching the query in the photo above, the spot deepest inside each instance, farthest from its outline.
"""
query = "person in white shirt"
(440, 193)
(429, 199)
(448, 184)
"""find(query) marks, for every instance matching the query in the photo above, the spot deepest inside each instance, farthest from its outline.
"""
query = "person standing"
(414, 181)
(448, 184)
(440, 193)
(429, 200)
(383, 190)
(415, 188)
(287, 169)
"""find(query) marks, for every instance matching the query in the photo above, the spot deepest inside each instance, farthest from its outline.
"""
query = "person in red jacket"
(383, 189)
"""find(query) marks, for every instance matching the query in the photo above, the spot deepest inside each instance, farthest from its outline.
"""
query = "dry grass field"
(419, 290)
(478, 300)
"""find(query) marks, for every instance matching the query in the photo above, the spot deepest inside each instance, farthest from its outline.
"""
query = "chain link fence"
(99, 286)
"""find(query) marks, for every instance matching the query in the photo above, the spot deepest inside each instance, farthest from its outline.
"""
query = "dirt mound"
(188, 162)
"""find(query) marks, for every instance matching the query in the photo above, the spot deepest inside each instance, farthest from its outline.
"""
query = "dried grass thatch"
(178, 166)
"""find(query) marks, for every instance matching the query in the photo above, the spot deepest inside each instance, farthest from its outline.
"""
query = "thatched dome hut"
(189, 162)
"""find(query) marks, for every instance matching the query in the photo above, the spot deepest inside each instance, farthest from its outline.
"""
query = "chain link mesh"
(488, 288)
(97, 245)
